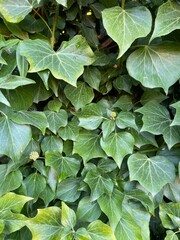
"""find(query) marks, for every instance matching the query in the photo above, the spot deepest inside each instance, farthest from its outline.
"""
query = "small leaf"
(68, 216)
(69, 59)
(176, 120)
(90, 116)
(14, 138)
(69, 132)
(98, 183)
(99, 230)
(65, 166)
(62, 2)
(79, 96)
(153, 65)
(167, 19)
(108, 127)
(56, 119)
(87, 210)
(160, 123)
(124, 26)
(3, 99)
(118, 145)
(125, 120)
(87, 145)
(152, 173)
(92, 76)
(15, 11)
(46, 225)
(51, 143)
(171, 235)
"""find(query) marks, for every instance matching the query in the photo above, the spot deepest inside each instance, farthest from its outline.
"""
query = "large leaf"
(13, 137)
(167, 19)
(65, 166)
(13, 81)
(99, 230)
(160, 123)
(152, 173)
(87, 145)
(124, 26)
(151, 66)
(98, 184)
(15, 11)
(111, 205)
(79, 96)
(118, 145)
(66, 64)
(46, 225)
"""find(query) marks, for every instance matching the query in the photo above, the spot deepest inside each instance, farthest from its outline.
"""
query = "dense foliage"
(90, 119)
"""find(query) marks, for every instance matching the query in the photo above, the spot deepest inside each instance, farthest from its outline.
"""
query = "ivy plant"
(89, 120)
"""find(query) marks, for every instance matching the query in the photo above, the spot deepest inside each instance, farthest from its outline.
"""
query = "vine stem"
(123, 4)
(43, 20)
(53, 38)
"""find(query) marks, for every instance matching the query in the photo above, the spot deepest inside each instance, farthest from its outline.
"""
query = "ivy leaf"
(176, 120)
(62, 2)
(124, 26)
(14, 138)
(111, 205)
(79, 96)
(108, 127)
(13, 178)
(4, 100)
(152, 173)
(126, 119)
(82, 234)
(87, 210)
(99, 230)
(87, 145)
(160, 123)
(46, 225)
(98, 184)
(15, 11)
(66, 64)
(68, 216)
(70, 131)
(92, 76)
(90, 116)
(154, 66)
(56, 119)
(167, 19)
(13, 81)
(52, 143)
(171, 235)
(65, 166)
(118, 145)
(34, 118)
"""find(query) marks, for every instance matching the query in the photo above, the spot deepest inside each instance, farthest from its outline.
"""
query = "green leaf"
(46, 225)
(2, 224)
(108, 127)
(90, 116)
(35, 184)
(82, 234)
(56, 120)
(170, 215)
(153, 65)
(98, 183)
(167, 19)
(62, 2)
(176, 120)
(14, 138)
(87, 145)
(34, 118)
(63, 165)
(12, 81)
(152, 173)
(87, 210)
(172, 191)
(79, 96)
(92, 76)
(111, 205)
(4, 100)
(125, 120)
(69, 59)
(51, 143)
(118, 145)
(68, 216)
(99, 230)
(69, 132)
(9, 179)
(15, 11)
(12, 201)
(67, 189)
(160, 123)
(124, 26)
(171, 235)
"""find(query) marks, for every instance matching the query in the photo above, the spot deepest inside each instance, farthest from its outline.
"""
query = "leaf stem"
(53, 39)
(43, 20)
(123, 4)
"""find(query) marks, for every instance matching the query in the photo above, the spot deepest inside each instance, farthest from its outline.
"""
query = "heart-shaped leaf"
(124, 26)
(152, 173)
(151, 66)
(66, 64)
